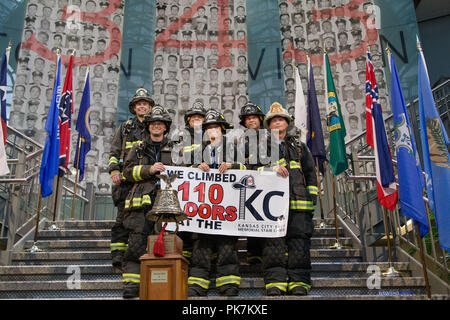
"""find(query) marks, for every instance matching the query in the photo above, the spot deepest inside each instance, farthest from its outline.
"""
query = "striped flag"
(300, 106)
(386, 185)
(65, 119)
(3, 87)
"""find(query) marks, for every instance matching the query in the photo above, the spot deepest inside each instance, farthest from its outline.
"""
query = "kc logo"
(73, 15)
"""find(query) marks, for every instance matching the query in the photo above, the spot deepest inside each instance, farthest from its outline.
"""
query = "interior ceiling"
(429, 9)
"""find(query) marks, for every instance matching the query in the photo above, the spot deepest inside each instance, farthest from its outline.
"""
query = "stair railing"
(358, 207)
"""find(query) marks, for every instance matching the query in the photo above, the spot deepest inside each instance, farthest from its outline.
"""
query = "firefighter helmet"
(246, 182)
(197, 108)
(250, 109)
(276, 110)
(215, 117)
(158, 113)
(141, 94)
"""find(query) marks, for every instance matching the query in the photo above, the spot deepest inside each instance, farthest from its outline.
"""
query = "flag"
(435, 156)
(300, 106)
(3, 87)
(410, 177)
(336, 126)
(50, 157)
(65, 119)
(386, 185)
(84, 129)
(314, 135)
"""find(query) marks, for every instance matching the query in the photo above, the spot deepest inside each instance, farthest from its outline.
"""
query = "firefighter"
(252, 118)
(227, 275)
(129, 133)
(143, 162)
(290, 274)
(191, 138)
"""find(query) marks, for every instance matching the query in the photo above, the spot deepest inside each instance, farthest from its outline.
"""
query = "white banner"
(236, 203)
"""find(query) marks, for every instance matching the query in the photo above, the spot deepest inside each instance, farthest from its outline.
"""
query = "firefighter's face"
(142, 107)
(278, 123)
(157, 128)
(214, 132)
(252, 122)
(196, 121)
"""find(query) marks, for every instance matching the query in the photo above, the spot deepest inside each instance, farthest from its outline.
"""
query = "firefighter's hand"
(157, 167)
(282, 171)
(204, 166)
(117, 178)
(224, 166)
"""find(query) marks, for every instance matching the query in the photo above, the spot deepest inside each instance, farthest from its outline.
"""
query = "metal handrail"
(357, 197)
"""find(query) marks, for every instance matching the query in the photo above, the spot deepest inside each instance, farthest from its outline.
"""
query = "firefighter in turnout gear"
(143, 163)
(252, 118)
(191, 138)
(291, 274)
(228, 278)
(128, 134)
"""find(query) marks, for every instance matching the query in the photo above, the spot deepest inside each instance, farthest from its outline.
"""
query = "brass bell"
(166, 207)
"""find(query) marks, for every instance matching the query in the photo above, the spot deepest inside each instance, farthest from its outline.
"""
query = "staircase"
(80, 250)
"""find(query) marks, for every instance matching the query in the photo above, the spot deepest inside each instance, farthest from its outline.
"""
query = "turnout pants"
(287, 260)
(119, 235)
(227, 265)
(138, 229)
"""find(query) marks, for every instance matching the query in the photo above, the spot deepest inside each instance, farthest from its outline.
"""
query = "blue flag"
(3, 87)
(410, 177)
(435, 156)
(50, 157)
(84, 129)
(314, 135)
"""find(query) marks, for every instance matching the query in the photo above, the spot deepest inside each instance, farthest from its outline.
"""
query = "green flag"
(336, 126)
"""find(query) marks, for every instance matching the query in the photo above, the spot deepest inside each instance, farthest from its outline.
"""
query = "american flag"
(377, 139)
(65, 118)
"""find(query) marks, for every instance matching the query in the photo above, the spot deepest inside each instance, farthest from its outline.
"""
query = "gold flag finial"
(9, 44)
(388, 49)
(419, 47)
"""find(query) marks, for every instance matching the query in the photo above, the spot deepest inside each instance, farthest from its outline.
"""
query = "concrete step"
(79, 257)
(337, 287)
(106, 234)
(107, 272)
(104, 244)
(80, 224)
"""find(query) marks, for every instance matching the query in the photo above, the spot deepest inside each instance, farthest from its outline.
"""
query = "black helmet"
(197, 108)
(250, 109)
(141, 94)
(158, 113)
(215, 117)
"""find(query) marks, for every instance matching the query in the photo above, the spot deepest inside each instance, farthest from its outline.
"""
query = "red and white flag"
(377, 139)
(65, 119)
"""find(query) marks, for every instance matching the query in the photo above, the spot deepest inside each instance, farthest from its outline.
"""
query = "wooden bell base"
(164, 278)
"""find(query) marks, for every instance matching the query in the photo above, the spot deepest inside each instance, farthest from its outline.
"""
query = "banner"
(236, 203)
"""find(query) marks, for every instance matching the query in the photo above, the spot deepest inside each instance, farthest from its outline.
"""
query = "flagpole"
(35, 248)
(322, 224)
(53, 226)
(391, 272)
(422, 258)
(337, 244)
(76, 177)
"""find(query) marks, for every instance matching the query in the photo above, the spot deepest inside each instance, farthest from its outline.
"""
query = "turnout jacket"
(227, 151)
(129, 133)
(295, 156)
(137, 170)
